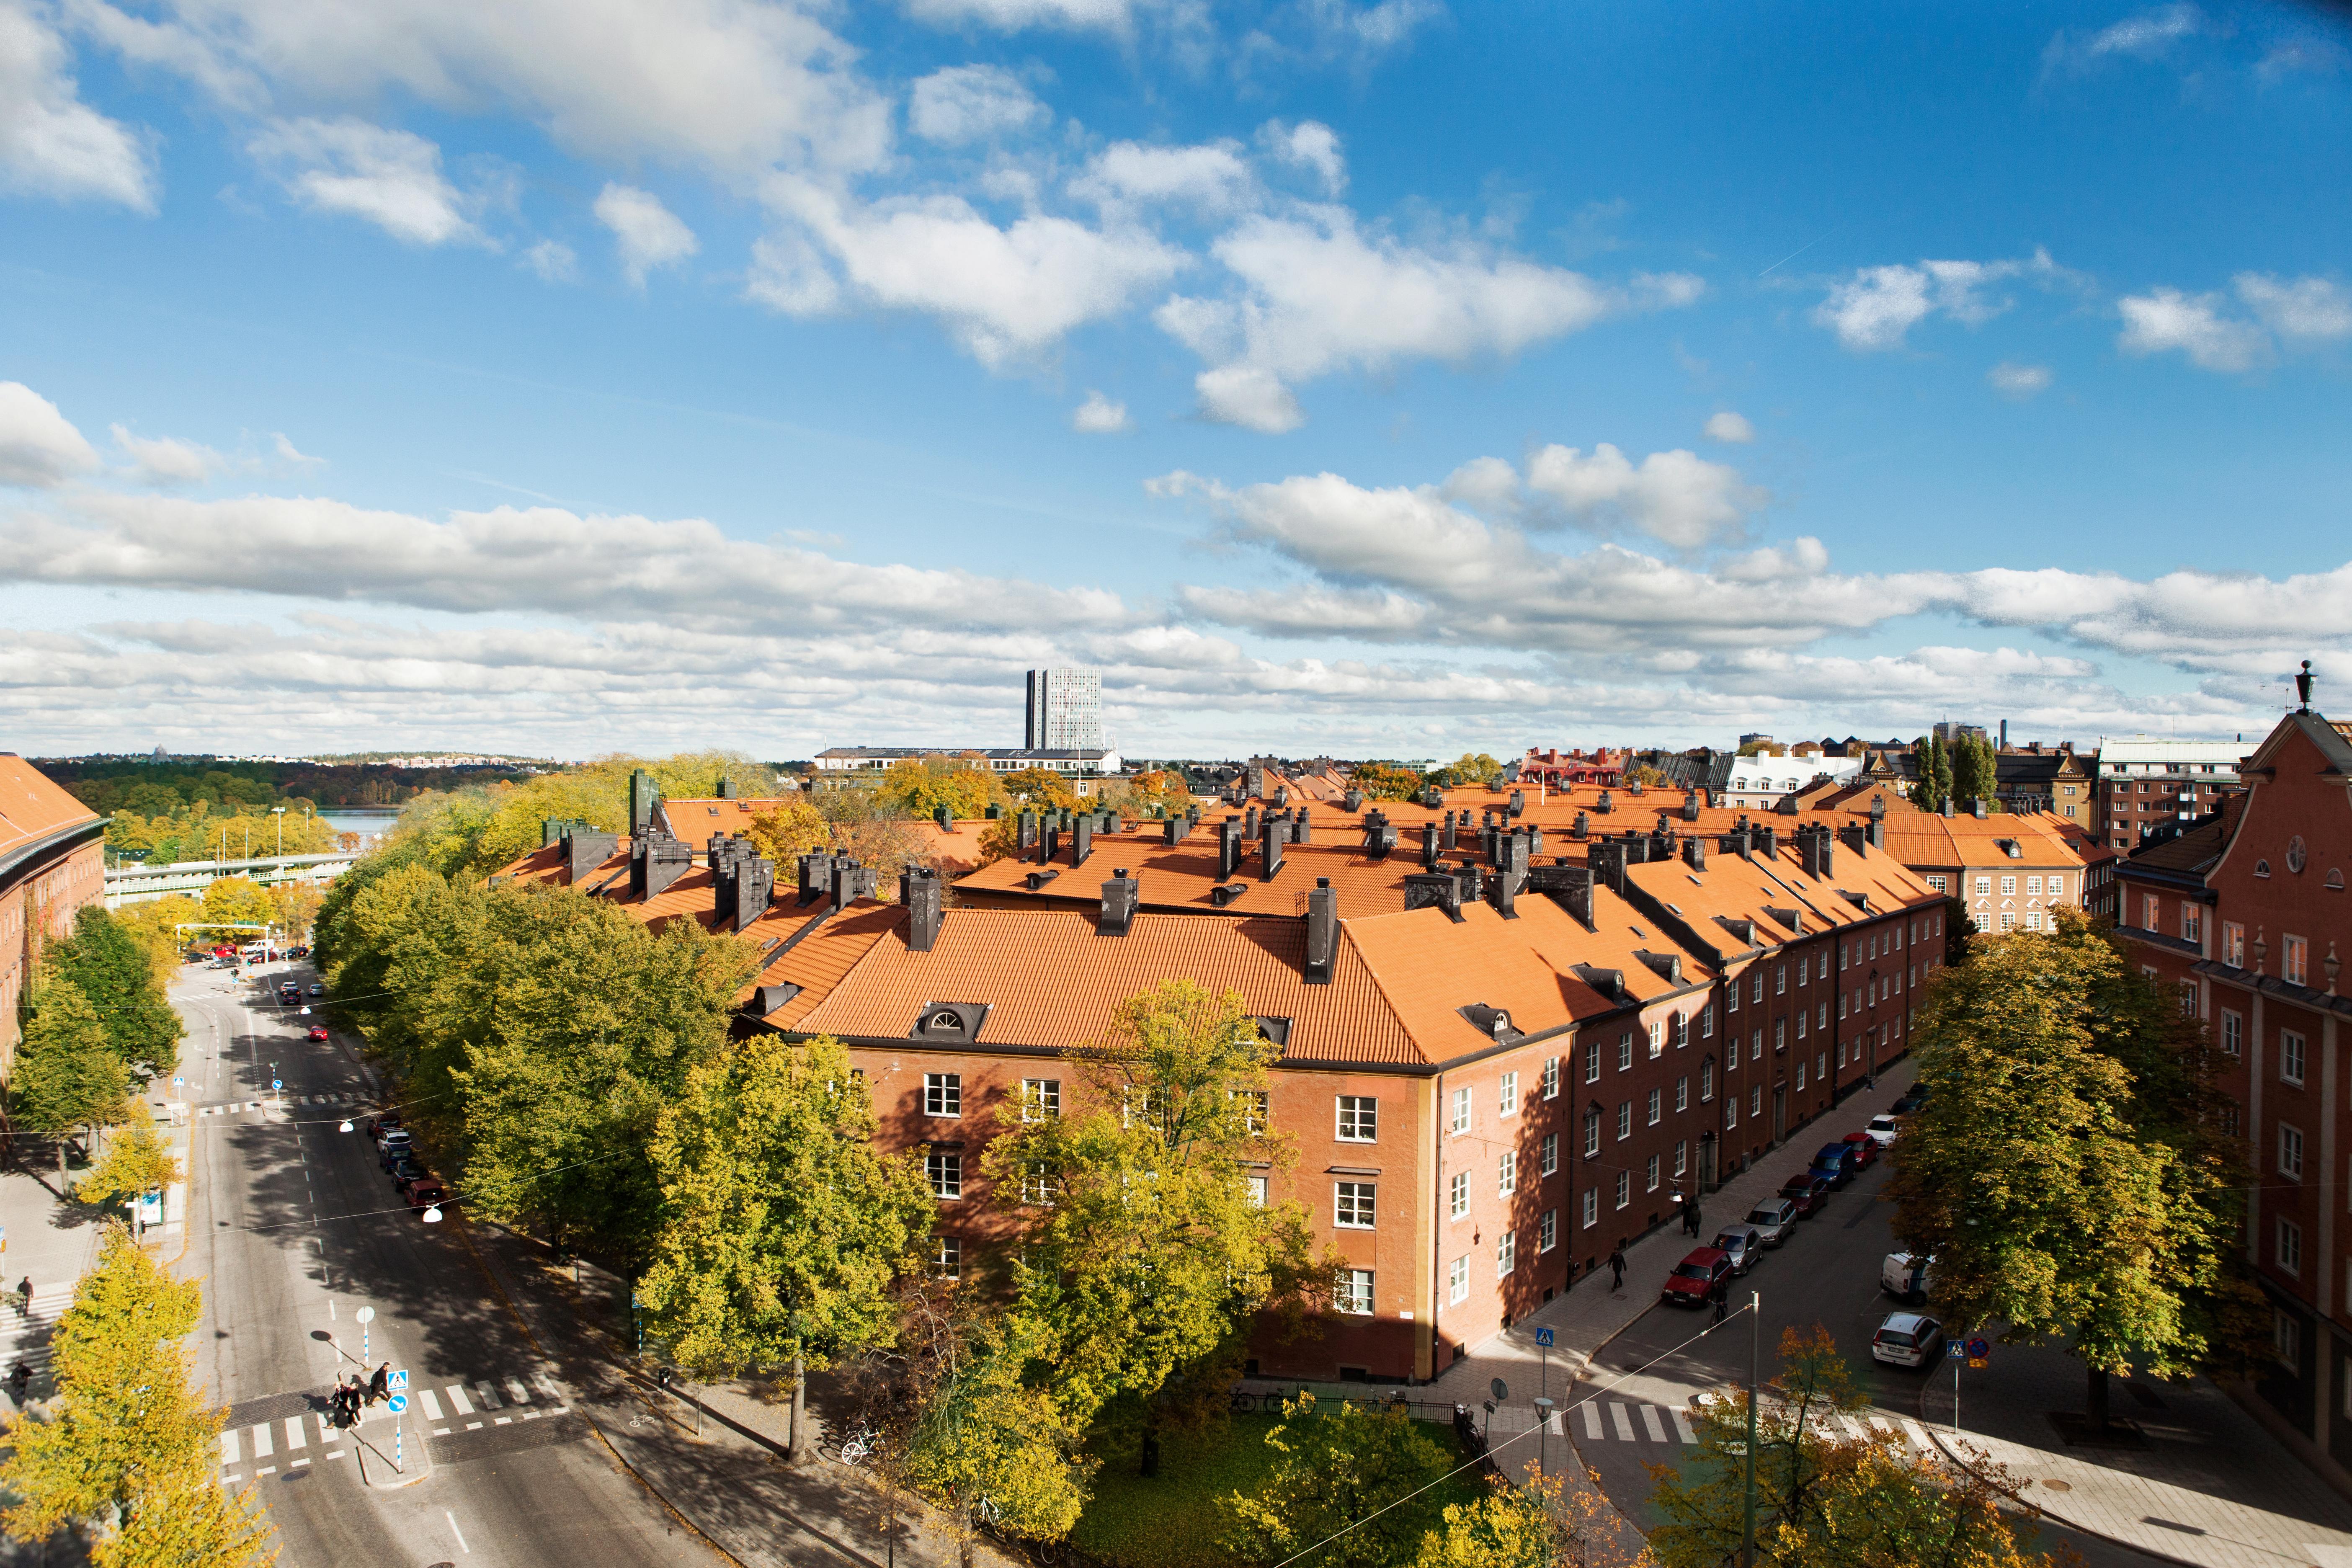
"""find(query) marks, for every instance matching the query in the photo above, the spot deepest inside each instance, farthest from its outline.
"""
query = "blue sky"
(1377, 379)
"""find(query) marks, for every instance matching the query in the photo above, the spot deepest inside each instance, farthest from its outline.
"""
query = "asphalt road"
(293, 1228)
(1826, 1274)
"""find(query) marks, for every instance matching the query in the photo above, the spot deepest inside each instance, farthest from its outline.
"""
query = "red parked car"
(1808, 1191)
(1863, 1145)
(1693, 1280)
(318, 1031)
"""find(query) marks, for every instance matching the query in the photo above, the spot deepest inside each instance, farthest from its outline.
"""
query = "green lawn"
(1173, 1520)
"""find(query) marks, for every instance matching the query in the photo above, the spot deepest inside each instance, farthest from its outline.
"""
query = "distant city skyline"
(1374, 378)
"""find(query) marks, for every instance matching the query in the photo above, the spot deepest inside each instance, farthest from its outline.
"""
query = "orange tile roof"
(32, 805)
(1180, 877)
(1731, 888)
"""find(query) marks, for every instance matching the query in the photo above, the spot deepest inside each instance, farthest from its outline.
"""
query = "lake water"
(369, 825)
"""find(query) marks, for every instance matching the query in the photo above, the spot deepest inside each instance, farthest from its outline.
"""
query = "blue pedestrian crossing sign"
(399, 1404)
(1543, 1336)
(398, 1381)
(1954, 1349)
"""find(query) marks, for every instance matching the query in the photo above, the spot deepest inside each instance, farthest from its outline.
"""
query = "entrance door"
(1780, 1113)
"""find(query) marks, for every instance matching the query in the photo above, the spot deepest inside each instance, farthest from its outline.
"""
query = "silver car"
(1745, 1243)
(1772, 1219)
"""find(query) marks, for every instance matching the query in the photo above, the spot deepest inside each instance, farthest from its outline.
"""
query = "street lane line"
(261, 1449)
(531, 1414)
(431, 1401)
(489, 1395)
(1651, 1424)
(1591, 1419)
(1623, 1422)
(440, 1431)
(295, 1436)
(329, 1432)
(505, 1421)
(457, 1401)
(547, 1385)
(231, 1480)
(1682, 1428)
(473, 1426)
(290, 1464)
(229, 1454)
(266, 1470)
(522, 1395)
(339, 1453)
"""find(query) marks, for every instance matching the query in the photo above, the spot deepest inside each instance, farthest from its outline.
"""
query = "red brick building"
(52, 865)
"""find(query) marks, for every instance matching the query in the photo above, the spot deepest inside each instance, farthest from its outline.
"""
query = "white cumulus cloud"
(168, 460)
(958, 104)
(51, 142)
(1210, 177)
(1098, 415)
(648, 233)
(2163, 319)
(391, 178)
(2019, 381)
(1309, 144)
(38, 446)
(1727, 425)
(1676, 498)
(2299, 310)
(1876, 307)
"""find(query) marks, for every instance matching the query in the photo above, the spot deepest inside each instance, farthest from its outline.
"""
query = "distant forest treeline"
(110, 784)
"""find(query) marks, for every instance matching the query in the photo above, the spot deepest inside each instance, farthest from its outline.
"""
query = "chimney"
(656, 860)
(642, 795)
(1694, 852)
(1024, 834)
(1249, 823)
(816, 873)
(1119, 896)
(850, 881)
(726, 788)
(1322, 931)
(745, 881)
(1855, 836)
(1229, 848)
(918, 889)
(1177, 828)
(1353, 801)
(1947, 805)
(1607, 858)
(585, 850)
(1582, 828)
(1768, 842)
(1979, 804)
(1379, 835)
(1446, 841)
(1049, 841)
(945, 818)
(1510, 874)
(1082, 838)
(1518, 802)
(1604, 803)
(1490, 842)
(1814, 846)
(1428, 846)
(1272, 836)
(1298, 825)
(1570, 886)
(1439, 889)
(1690, 805)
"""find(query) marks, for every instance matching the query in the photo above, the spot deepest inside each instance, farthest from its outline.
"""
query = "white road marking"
(1651, 1424)
(295, 1436)
(457, 1401)
(489, 1395)
(473, 1426)
(266, 1470)
(440, 1431)
(547, 1384)
(1623, 1422)
(339, 1453)
(229, 1448)
(1682, 1428)
(291, 1463)
(522, 1395)
(1591, 1419)
(329, 1432)
(456, 1532)
(231, 1480)
(261, 1449)
(505, 1420)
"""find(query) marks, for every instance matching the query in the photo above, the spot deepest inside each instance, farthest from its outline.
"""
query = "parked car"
(1772, 1218)
(394, 1149)
(382, 1122)
(1865, 1148)
(1882, 1130)
(404, 1171)
(1743, 1244)
(1904, 1276)
(318, 1031)
(1908, 1339)
(317, 989)
(1809, 1191)
(1692, 1279)
(425, 1194)
(1910, 1099)
(1837, 1163)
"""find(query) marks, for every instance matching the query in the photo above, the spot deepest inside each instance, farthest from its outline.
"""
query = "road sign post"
(366, 1315)
(1543, 1343)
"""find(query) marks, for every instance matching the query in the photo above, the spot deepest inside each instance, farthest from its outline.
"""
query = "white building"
(2217, 760)
(1757, 783)
(1065, 711)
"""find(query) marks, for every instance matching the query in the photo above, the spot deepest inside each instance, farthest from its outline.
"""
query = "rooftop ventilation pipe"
(918, 889)
(1322, 933)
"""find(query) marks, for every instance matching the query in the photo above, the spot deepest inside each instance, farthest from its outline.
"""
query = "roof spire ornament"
(2302, 687)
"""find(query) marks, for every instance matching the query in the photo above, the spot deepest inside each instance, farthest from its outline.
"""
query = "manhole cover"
(2058, 1486)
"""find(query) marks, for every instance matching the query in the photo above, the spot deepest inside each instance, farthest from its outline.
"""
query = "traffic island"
(392, 1453)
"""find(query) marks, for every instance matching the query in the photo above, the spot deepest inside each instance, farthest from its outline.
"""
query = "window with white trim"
(1507, 1096)
(1457, 1192)
(1625, 1120)
(1353, 1206)
(1547, 1231)
(1592, 1063)
(1591, 1207)
(2290, 1152)
(1356, 1292)
(943, 1094)
(2290, 1248)
(1359, 1119)
(1624, 1188)
(1461, 1113)
(1682, 1157)
(1506, 1253)
(945, 1167)
(1041, 1098)
(2233, 1033)
(1652, 1175)
(1458, 1281)
(1551, 1152)
(1657, 1098)
(1507, 1172)
(2290, 1057)
(1591, 1130)
(946, 1258)
(1551, 1078)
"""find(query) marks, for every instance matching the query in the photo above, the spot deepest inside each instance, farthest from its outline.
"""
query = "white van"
(1903, 1276)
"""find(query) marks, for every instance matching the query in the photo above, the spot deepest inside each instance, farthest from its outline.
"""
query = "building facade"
(1063, 711)
(52, 865)
(2143, 783)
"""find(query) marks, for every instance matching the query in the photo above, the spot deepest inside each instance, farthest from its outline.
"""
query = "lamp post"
(280, 812)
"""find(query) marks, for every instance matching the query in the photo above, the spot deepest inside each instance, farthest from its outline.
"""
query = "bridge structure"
(139, 882)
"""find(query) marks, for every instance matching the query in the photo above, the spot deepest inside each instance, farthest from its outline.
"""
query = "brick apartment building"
(52, 865)
(2144, 784)
(1495, 1061)
(2242, 912)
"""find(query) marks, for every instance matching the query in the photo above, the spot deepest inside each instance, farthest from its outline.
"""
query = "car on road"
(392, 1149)
(1772, 1218)
(1837, 1162)
(1743, 1244)
(425, 1194)
(317, 989)
(1866, 1147)
(1910, 1099)
(1808, 1191)
(318, 1031)
(1883, 1130)
(405, 1170)
(1908, 1339)
(1904, 1276)
(1692, 1279)
(289, 995)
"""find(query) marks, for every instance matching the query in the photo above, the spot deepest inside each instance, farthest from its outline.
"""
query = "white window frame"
(943, 1095)
(1457, 1196)
(1041, 1098)
(1461, 1122)
(1357, 1118)
(1459, 1280)
(2293, 1058)
(1355, 1206)
(1506, 1095)
(1356, 1292)
(944, 1167)
(1550, 1154)
(1507, 1172)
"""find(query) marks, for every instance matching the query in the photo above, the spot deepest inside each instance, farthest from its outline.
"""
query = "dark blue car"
(1837, 1164)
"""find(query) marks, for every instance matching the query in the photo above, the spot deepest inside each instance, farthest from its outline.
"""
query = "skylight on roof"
(1637, 930)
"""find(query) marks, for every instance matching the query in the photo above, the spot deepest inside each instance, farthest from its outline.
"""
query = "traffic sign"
(177, 1081)
(1978, 1363)
(398, 1381)
(1980, 1351)
(1502, 1391)
(1543, 1336)
(399, 1404)
(365, 1314)
(276, 1083)
(1954, 1349)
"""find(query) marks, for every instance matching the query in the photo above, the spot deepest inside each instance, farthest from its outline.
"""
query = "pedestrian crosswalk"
(272, 1101)
(27, 1339)
(252, 1450)
(1616, 1420)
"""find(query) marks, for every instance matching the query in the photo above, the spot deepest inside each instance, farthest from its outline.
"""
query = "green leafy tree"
(1539, 1522)
(1381, 781)
(920, 787)
(786, 1229)
(137, 1159)
(125, 1448)
(1469, 768)
(1825, 1496)
(1040, 788)
(789, 830)
(238, 901)
(1974, 773)
(2066, 1172)
(1932, 774)
(1139, 1246)
(67, 1076)
(115, 971)
(1338, 1469)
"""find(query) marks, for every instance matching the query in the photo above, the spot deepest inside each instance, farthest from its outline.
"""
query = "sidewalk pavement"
(711, 1454)
(2211, 1487)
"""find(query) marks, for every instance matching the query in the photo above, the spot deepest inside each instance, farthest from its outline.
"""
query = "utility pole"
(1755, 1355)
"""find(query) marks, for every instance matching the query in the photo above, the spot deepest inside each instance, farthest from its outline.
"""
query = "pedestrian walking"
(379, 1385)
(1721, 1297)
(20, 1377)
(25, 1297)
(1617, 1268)
(1690, 1217)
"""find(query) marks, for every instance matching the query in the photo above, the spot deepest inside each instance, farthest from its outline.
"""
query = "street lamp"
(280, 812)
